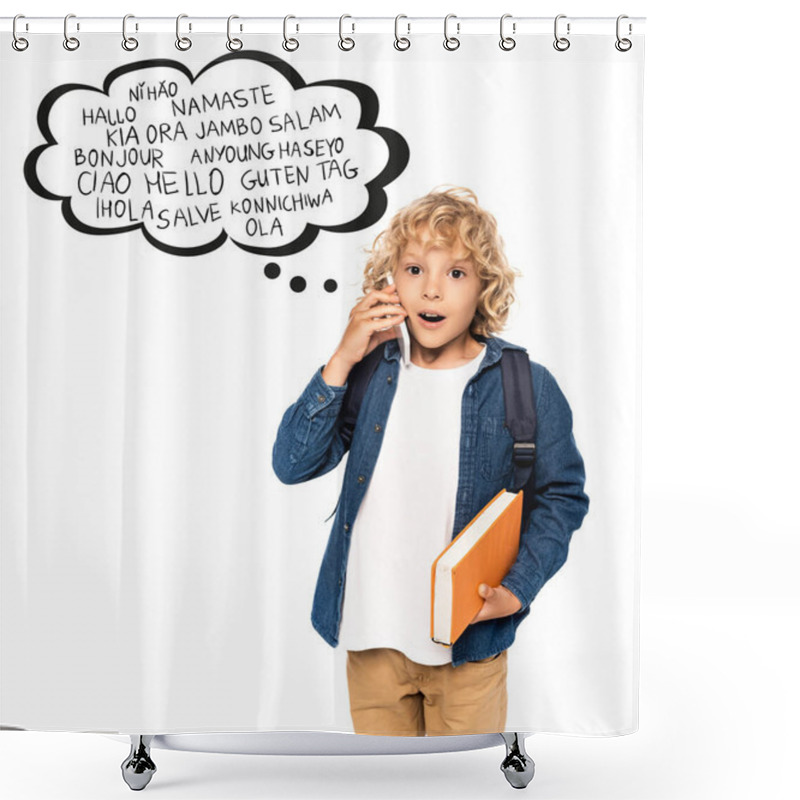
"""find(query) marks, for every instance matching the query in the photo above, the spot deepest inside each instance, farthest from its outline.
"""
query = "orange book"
(483, 552)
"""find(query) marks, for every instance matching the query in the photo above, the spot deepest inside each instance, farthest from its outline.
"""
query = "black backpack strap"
(521, 421)
(357, 382)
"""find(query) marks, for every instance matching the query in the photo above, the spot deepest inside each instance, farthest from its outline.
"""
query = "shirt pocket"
(495, 447)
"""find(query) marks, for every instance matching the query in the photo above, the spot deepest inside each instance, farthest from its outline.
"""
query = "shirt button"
(361, 479)
(321, 398)
(389, 379)
(346, 526)
(377, 428)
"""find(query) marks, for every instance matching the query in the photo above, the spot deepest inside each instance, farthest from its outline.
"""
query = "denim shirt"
(309, 444)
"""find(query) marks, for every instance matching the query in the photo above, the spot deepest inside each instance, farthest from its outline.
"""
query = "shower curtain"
(185, 231)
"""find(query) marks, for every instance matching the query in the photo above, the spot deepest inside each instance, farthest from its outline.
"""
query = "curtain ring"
(623, 45)
(401, 43)
(561, 43)
(128, 42)
(233, 44)
(451, 42)
(289, 44)
(346, 43)
(70, 42)
(506, 42)
(181, 42)
(18, 43)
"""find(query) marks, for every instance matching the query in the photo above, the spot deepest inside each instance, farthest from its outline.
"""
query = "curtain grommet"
(561, 43)
(19, 43)
(401, 43)
(345, 42)
(128, 42)
(183, 43)
(623, 45)
(507, 42)
(233, 44)
(451, 42)
(289, 44)
(70, 42)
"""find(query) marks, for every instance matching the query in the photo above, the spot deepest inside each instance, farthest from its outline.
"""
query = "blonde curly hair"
(451, 215)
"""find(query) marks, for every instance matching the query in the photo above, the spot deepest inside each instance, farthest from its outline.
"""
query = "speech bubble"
(246, 150)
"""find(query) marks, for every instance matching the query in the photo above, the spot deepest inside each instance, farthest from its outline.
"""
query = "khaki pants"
(390, 695)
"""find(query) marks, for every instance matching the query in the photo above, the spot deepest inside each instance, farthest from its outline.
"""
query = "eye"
(461, 272)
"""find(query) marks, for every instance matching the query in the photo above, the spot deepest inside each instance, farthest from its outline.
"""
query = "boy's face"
(440, 281)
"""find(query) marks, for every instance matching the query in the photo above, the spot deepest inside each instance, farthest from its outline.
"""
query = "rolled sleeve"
(308, 442)
(318, 395)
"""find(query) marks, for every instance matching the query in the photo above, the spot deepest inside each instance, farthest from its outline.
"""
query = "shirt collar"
(494, 350)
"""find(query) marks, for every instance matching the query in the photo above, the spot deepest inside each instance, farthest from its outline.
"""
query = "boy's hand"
(497, 602)
(372, 320)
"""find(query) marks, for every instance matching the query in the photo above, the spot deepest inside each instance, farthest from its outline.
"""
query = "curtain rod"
(519, 26)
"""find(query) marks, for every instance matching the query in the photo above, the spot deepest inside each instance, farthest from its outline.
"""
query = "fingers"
(382, 306)
(388, 294)
(497, 602)
(398, 318)
(376, 296)
(370, 320)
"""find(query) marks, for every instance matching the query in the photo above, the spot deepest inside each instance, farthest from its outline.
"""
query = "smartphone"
(402, 337)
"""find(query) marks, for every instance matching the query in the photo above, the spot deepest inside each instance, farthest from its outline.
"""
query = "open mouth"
(431, 320)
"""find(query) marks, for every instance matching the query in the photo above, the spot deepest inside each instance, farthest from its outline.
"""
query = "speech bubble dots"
(246, 150)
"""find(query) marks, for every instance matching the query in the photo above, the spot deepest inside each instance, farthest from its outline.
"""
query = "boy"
(428, 452)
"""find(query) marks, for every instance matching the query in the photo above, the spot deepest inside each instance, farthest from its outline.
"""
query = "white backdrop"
(147, 543)
(146, 371)
(720, 286)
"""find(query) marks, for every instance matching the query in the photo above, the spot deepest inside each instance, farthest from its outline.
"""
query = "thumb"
(485, 591)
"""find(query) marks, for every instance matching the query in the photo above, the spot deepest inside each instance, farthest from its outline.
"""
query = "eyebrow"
(415, 254)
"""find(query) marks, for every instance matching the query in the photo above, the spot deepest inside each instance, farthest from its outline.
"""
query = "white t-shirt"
(406, 516)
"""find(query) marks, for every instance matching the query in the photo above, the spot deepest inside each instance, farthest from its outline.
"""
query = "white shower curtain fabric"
(184, 235)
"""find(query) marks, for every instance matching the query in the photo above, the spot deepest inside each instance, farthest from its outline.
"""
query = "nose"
(431, 289)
